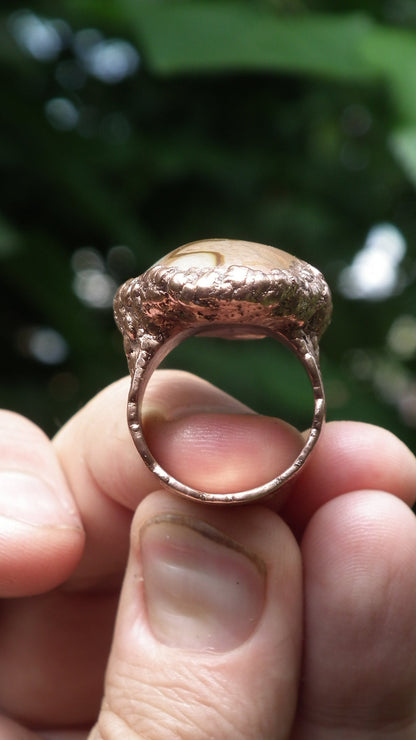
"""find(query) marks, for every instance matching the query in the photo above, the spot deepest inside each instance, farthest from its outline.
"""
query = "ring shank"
(151, 354)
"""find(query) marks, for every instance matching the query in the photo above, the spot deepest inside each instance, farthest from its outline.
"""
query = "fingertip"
(360, 524)
(205, 596)
(41, 535)
(351, 456)
(359, 554)
(36, 559)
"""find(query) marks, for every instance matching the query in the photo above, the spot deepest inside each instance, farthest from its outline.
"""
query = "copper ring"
(224, 288)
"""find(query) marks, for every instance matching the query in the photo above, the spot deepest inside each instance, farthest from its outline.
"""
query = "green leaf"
(403, 146)
(391, 53)
(187, 36)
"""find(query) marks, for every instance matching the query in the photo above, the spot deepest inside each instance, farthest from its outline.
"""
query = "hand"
(233, 623)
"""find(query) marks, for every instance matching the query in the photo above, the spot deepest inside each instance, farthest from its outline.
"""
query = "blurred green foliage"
(129, 128)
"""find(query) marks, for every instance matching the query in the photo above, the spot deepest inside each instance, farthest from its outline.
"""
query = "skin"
(332, 569)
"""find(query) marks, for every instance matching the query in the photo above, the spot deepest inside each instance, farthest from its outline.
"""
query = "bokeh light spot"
(108, 60)
(374, 272)
(41, 38)
(92, 284)
(401, 338)
(62, 114)
(42, 343)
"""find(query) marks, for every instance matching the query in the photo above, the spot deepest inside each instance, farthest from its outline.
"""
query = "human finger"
(41, 536)
(359, 672)
(350, 456)
(208, 634)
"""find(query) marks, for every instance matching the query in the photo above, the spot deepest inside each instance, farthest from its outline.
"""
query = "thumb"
(208, 634)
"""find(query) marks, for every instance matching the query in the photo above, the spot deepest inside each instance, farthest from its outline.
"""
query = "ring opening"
(287, 382)
(262, 373)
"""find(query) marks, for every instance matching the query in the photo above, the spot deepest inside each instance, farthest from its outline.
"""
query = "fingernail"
(203, 591)
(27, 498)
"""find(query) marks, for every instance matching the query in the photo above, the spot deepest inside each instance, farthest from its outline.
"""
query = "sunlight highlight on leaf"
(200, 36)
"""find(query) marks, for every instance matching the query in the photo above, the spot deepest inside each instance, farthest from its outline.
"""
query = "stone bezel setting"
(169, 299)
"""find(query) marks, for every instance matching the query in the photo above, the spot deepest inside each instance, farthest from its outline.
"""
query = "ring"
(230, 289)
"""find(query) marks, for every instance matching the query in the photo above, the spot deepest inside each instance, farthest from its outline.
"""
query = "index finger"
(200, 434)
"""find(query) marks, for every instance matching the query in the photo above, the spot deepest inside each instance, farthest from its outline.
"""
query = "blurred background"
(130, 127)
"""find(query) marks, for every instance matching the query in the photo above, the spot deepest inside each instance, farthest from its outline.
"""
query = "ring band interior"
(150, 358)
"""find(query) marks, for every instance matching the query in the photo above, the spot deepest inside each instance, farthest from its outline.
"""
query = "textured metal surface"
(231, 289)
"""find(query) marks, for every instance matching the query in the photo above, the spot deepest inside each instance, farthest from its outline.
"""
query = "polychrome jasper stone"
(227, 253)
